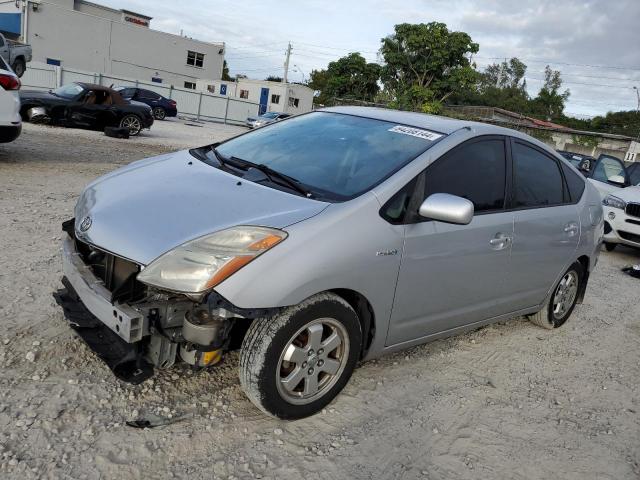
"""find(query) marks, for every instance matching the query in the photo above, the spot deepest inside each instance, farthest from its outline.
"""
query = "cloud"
(567, 34)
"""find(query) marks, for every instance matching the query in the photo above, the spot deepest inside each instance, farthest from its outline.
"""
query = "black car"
(85, 105)
(162, 107)
(584, 163)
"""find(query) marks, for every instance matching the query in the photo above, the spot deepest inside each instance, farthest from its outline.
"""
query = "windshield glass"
(68, 91)
(269, 115)
(339, 156)
(634, 174)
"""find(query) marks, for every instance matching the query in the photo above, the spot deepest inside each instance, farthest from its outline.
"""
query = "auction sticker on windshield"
(415, 132)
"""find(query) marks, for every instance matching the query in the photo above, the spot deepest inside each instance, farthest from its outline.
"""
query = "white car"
(622, 218)
(10, 121)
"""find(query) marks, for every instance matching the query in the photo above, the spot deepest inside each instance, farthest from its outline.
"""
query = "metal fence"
(199, 105)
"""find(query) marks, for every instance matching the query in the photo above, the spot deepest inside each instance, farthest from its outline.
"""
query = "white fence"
(199, 105)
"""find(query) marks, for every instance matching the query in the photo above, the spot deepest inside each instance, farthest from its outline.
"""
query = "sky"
(594, 43)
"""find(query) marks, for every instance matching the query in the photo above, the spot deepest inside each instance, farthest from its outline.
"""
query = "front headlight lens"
(203, 263)
(614, 202)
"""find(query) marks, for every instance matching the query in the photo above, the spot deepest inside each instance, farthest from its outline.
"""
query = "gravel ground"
(507, 401)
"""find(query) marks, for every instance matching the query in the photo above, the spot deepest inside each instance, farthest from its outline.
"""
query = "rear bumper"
(9, 133)
(125, 321)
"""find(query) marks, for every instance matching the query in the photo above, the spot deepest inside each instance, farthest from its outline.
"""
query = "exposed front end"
(622, 222)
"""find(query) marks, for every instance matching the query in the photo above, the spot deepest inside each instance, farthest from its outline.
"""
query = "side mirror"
(617, 180)
(447, 208)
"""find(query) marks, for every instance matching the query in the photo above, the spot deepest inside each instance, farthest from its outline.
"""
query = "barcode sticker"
(416, 132)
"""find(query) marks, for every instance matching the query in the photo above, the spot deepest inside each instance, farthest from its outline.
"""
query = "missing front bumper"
(126, 360)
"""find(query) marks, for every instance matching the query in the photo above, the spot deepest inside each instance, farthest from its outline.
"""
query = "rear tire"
(294, 363)
(562, 301)
(19, 67)
(159, 113)
(610, 247)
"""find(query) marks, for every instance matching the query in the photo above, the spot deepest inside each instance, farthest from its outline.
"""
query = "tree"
(425, 64)
(225, 72)
(549, 103)
(273, 78)
(350, 76)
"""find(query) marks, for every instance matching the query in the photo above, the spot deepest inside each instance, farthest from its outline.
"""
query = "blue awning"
(10, 23)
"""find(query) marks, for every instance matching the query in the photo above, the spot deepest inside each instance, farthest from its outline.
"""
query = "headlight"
(203, 263)
(614, 202)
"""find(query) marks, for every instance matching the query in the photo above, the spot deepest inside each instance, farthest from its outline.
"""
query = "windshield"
(68, 91)
(336, 156)
(634, 174)
(269, 115)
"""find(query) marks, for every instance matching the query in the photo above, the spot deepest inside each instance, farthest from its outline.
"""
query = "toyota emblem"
(85, 224)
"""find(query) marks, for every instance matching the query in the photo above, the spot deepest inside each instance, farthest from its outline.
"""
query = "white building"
(92, 37)
(272, 96)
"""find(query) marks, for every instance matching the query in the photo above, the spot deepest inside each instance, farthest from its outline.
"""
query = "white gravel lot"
(507, 401)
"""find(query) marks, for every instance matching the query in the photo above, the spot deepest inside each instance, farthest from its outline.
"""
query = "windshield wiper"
(226, 162)
(272, 175)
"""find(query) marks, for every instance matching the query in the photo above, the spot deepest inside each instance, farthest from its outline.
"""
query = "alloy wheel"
(132, 123)
(565, 294)
(312, 361)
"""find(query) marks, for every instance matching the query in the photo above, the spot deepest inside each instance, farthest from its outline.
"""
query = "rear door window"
(536, 177)
(575, 183)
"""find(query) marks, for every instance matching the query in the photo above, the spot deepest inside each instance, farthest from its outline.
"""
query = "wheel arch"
(366, 316)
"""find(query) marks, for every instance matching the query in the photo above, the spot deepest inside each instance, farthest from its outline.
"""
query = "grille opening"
(633, 209)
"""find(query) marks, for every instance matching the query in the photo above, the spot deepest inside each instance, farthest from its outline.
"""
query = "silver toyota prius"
(325, 239)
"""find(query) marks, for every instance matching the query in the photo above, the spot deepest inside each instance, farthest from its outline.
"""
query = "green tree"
(225, 72)
(425, 64)
(273, 78)
(549, 104)
(348, 77)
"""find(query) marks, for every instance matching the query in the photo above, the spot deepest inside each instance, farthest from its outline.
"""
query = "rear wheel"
(562, 301)
(133, 123)
(159, 113)
(610, 247)
(295, 363)
(19, 67)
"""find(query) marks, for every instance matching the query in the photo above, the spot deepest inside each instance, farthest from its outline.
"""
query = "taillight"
(172, 103)
(9, 82)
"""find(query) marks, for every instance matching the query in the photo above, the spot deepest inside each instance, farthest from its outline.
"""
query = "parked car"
(265, 119)
(633, 171)
(162, 107)
(15, 54)
(335, 236)
(622, 218)
(607, 173)
(85, 105)
(10, 122)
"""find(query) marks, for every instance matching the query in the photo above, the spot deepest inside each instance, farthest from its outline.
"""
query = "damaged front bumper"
(135, 329)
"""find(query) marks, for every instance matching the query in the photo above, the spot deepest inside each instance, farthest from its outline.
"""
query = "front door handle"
(500, 241)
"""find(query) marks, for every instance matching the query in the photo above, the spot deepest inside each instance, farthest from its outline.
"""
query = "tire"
(299, 333)
(563, 299)
(159, 113)
(610, 247)
(19, 67)
(133, 123)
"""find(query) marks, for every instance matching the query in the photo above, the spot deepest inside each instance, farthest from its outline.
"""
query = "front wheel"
(562, 301)
(133, 123)
(293, 364)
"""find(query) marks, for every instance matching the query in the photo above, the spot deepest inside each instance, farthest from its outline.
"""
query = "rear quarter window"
(575, 183)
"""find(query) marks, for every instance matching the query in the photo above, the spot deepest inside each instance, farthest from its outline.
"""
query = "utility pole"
(637, 111)
(285, 79)
(286, 63)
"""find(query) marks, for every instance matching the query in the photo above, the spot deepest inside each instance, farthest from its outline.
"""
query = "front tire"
(563, 299)
(133, 123)
(294, 363)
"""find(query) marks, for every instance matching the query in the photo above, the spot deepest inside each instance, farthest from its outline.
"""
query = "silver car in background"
(332, 237)
(265, 119)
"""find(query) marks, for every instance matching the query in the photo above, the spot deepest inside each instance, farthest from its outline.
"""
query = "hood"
(36, 94)
(628, 194)
(149, 207)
